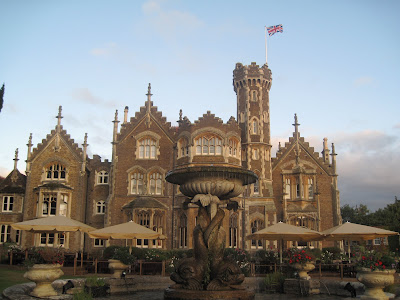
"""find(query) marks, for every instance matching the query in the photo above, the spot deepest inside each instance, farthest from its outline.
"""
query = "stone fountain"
(208, 275)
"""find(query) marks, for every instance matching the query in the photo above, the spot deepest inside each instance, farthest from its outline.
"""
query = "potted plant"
(96, 287)
(44, 266)
(302, 260)
(119, 259)
(375, 269)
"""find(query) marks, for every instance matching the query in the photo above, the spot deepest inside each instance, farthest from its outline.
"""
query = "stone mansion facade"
(297, 185)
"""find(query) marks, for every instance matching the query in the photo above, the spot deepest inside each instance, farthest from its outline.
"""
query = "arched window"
(55, 171)
(233, 231)
(63, 205)
(101, 207)
(287, 188)
(147, 148)
(233, 147)
(255, 127)
(256, 187)
(155, 183)
(183, 147)
(102, 177)
(136, 183)
(208, 145)
(49, 204)
(310, 188)
(183, 231)
(158, 227)
(256, 225)
(254, 96)
(143, 218)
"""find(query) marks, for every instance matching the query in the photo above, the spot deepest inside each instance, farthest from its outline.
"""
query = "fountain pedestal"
(208, 275)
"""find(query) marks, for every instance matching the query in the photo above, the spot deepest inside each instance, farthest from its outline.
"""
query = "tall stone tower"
(252, 84)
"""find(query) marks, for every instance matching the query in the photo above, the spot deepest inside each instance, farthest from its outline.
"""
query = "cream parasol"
(52, 224)
(285, 232)
(128, 230)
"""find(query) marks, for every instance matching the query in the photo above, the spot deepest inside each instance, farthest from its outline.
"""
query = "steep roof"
(14, 183)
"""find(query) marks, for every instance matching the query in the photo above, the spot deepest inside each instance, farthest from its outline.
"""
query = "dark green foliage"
(120, 253)
(266, 257)
(241, 257)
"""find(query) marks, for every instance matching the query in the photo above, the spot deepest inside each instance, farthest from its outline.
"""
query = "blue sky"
(336, 65)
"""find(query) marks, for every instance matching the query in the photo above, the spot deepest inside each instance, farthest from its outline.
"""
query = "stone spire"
(333, 159)
(85, 144)
(149, 94)
(115, 131)
(126, 114)
(59, 117)
(296, 127)
(148, 106)
(28, 158)
(16, 159)
(325, 152)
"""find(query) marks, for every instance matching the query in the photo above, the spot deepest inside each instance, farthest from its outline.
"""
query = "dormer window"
(56, 172)
(208, 145)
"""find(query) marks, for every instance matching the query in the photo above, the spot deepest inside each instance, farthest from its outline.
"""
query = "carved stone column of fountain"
(207, 275)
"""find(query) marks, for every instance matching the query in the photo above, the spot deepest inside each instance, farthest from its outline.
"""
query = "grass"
(12, 275)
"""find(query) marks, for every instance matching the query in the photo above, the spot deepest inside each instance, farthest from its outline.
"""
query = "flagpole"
(266, 53)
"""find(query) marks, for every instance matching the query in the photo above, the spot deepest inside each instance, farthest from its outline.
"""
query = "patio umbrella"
(52, 224)
(129, 230)
(355, 232)
(285, 232)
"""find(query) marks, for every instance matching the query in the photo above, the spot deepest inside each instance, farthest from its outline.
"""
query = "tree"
(1, 97)
(358, 214)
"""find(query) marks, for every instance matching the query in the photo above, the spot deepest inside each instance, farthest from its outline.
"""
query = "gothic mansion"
(297, 186)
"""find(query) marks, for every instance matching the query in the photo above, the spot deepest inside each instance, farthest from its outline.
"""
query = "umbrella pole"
(280, 250)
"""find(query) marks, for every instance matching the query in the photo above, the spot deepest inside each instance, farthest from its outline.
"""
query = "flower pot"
(375, 282)
(117, 267)
(303, 269)
(43, 275)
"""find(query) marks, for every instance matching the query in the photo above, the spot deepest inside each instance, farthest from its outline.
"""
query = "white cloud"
(85, 95)
(169, 23)
(106, 50)
(367, 165)
(361, 81)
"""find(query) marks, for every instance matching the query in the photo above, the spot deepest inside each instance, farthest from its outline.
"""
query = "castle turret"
(252, 84)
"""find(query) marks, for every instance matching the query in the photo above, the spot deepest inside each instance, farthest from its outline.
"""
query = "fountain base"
(182, 294)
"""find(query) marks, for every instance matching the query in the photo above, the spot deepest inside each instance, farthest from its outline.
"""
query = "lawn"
(12, 275)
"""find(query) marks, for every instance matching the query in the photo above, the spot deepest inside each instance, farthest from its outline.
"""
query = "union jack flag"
(274, 29)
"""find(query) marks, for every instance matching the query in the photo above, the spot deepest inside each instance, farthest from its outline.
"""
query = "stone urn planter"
(117, 267)
(303, 269)
(375, 282)
(43, 275)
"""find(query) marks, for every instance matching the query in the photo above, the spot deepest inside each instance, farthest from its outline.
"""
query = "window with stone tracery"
(183, 146)
(56, 171)
(147, 148)
(183, 231)
(233, 231)
(102, 177)
(256, 225)
(233, 147)
(143, 218)
(155, 180)
(208, 145)
(136, 183)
